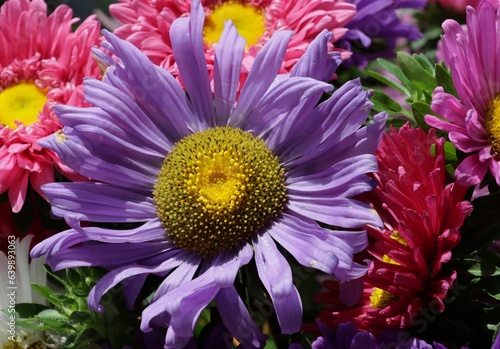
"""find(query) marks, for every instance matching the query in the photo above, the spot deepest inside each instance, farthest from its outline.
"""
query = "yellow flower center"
(493, 124)
(380, 298)
(22, 103)
(248, 20)
(217, 188)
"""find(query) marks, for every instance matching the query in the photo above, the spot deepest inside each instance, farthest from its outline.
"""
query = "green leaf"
(481, 268)
(387, 81)
(416, 73)
(420, 109)
(383, 102)
(425, 63)
(397, 72)
(443, 78)
(53, 318)
(28, 310)
(450, 152)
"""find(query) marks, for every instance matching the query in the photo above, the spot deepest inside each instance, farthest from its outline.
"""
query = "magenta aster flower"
(147, 25)
(212, 180)
(460, 5)
(42, 63)
(473, 121)
(422, 216)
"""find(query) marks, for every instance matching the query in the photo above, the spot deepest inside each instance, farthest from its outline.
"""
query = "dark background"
(82, 8)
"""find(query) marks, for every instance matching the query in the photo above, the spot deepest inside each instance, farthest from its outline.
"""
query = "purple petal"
(128, 124)
(344, 335)
(340, 212)
(184, 304)
(105, 255)
(168, 109)
(351, 291)
(58, 242)
(344, 179)
(306, 241)
(317, 62)
(263, 71)
(184, 273)
(150, 231)
(186, 35)
(172, 259)
(238, 320)
(281, 100)
(364, 340)
(97, 202)
(227, 263)
(227, 67)
(276, 275)
(93, 159)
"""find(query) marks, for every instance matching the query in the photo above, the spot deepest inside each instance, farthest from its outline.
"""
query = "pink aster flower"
(422, 216)
(42, 63)
(473, 120)
(460, 5)
(147, 24)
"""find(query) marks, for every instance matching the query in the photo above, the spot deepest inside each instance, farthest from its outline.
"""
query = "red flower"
(422, 216)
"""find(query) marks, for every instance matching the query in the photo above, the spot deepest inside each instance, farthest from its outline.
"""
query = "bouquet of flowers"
(250, 174)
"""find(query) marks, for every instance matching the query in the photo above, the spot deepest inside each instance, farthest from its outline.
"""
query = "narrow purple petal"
(279, 101)
(186, 35)
(90, 158)
(340, 212)
(57, 242)
(172, 259)
(122, 126)
(364, 340)
(344, 335)
(184, 304)
(184, 273)
(227, 67)
(227, 263)
(363, 141)
(150, 231)
(105, 255)
(97, 202)
(261, 75)
(276, 275)
(317, 62)
(344, 179)
(124, 112)
(306, 241)
(175, 341)
(238, 320)
(351, 291)
(144, 80)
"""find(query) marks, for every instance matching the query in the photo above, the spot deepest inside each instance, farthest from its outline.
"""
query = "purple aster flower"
(473, 122)
(212, 180)
(377, 21)
(347, 336)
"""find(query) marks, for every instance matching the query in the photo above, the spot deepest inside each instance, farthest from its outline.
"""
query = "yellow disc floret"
(22, 102)
(248, 20)
(380, 298)
(493, 124)
(218, 188)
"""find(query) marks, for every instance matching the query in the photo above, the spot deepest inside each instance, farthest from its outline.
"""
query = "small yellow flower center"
(380, 298)
(248, 20)
(493, 124)
(22, 103)
(217, 188)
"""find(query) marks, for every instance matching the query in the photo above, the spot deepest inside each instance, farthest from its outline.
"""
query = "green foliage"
(415, 77)
(69, 314)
